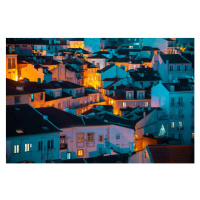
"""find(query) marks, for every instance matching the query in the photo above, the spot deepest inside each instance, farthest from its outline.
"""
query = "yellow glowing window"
(80, 152)
(16, 148)
(27, 147)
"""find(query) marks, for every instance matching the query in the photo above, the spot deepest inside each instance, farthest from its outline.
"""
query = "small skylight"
(45, 128)
(19, 131)
(17, 108)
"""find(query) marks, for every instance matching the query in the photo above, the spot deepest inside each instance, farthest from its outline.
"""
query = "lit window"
(27, 147)
(145, 104)
(80, 152)
(180, 124)
(80, 137)
(172, 124)
(90, 137)
(135, 103)
(32, 97)
(124, 104)
(68, 155)
(16, 148)
(192, 135)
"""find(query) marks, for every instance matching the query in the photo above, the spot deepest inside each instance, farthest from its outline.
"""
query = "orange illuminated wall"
(11, 67)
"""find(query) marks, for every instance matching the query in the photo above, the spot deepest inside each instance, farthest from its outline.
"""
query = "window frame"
(81, 151)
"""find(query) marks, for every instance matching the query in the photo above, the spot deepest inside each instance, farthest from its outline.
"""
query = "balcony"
(180, 128)
(176, 116)
(179, 104)
(63, 146)
(162, 117)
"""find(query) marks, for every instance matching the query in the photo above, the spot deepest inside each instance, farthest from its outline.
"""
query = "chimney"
(144, 114)
(149, 107)
(10, 49)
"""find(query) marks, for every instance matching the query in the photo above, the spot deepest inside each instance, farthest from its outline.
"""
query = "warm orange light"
(16, 78)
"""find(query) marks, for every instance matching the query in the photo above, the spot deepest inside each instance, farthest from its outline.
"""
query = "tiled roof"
(50, 98)
(98, 56)
(107, 67)
(182, 86)
(174, 58)
(24, 117)
(102, 52)
(61, 118)
(172, 153)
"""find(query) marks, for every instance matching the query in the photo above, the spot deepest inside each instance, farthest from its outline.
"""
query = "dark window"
(50, 144)
(171, 68)
(186, 67)
(13, 63)
(40, 146)
(41, 96)
(178, 68)
(9, 63)
(17, 99)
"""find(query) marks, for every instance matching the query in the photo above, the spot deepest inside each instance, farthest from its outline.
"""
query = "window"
(171, 68)
(140, 95)
(145, 104)
(172, 101)
(100, 138)
(178, 68)
(124, 104)
(32, 97)
(141, 83)
(80, 152)
(9, 63)
(68, 155)
(27, 147)
(129, 95)
(13, 63)
(17, 99)
(62, 139)
(50, 144)
(16, 148)
(80, 137)
(186, 68)
(40, 146)
(41, 96)
(180, 124)
(135, 103)
(93, 62)
(172, 125)
(90, 137)
(180, 101)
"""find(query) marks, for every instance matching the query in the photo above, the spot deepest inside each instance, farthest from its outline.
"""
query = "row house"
(30, 136)
(166, 45)
(172, 67)
(92, 44)
(99, 60)
(11, 66)
(124, 97)
(177, 99)
(64, 72)
(18, 93)
(76, 43)
(89, 137)
(36, 73)
(92, 79)
(144, 77)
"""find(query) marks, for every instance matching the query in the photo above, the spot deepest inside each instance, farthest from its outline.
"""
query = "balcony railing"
(180, 128)
(176, 116)
(179, 104)
(63, 146)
